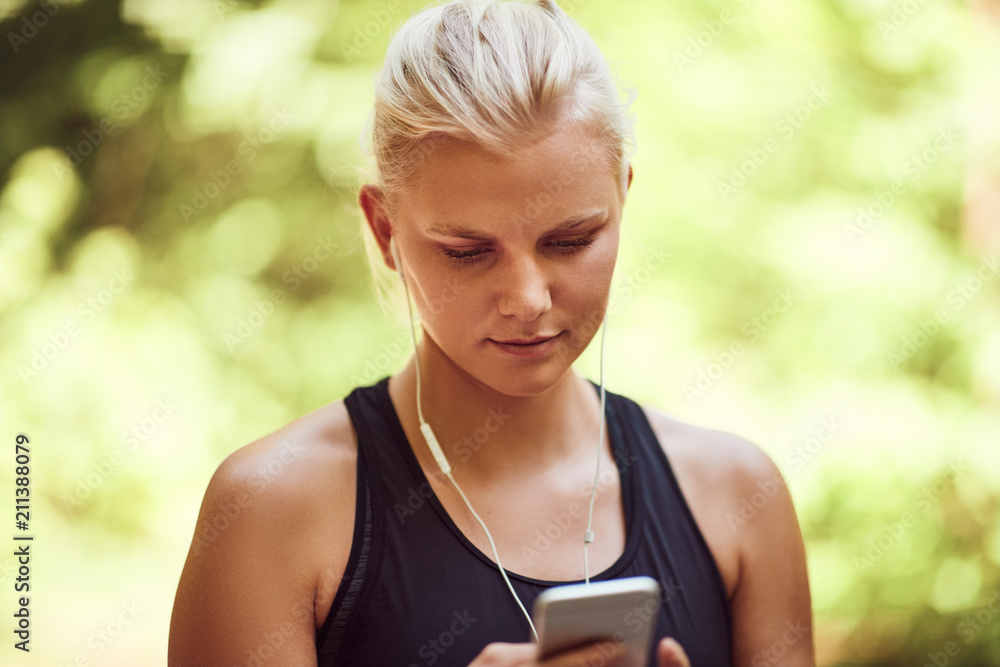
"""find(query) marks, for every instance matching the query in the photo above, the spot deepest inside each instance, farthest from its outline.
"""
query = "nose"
(524, 292)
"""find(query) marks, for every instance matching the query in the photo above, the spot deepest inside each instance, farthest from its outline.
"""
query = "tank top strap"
(361, 572)
(695, 603)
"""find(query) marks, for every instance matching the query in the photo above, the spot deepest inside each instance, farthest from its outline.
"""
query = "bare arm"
(772, 613)
(246, 593)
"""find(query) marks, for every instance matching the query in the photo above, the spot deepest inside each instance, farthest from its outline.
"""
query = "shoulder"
(294, 464)
(277, 518)
(711, 456)
(301, 481)
(742, 505)
(716, 472)
(294, 476)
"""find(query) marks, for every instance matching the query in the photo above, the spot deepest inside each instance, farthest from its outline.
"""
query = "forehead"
(561, 176)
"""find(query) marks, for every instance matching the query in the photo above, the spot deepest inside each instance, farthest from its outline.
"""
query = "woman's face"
(499, 249)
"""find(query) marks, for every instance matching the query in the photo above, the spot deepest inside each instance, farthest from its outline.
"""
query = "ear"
(371, 198)
(623, 192)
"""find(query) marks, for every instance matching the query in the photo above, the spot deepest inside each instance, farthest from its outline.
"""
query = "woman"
(344, 539)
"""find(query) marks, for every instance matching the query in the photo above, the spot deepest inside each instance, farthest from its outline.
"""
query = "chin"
(522, 381)
(523, 387)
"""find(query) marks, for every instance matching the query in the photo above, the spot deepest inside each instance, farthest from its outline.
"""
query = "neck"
(491, 435)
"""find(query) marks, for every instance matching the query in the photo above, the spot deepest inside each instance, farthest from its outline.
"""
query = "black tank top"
(417, 593)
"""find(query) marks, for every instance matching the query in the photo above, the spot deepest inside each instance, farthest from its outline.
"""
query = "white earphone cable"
(588, 536)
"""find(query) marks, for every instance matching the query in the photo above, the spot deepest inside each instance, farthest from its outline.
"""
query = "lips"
(536, 347)
(524, 341)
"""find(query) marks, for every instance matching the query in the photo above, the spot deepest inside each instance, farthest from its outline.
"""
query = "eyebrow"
(473, 235)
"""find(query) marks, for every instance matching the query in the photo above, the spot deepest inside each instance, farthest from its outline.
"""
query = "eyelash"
(470, 256)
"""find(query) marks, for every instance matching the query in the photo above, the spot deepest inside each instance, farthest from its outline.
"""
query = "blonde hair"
(497, 73)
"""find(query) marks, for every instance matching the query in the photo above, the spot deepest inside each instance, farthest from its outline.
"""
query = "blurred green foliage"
(182, 271)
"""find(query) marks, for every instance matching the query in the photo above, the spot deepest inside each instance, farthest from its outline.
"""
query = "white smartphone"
(619, 610)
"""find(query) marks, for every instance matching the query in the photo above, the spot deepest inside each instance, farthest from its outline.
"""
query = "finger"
(503, 653)
(671, 654)
(599, 653)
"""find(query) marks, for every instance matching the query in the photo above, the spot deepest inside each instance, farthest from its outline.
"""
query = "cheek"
(587, 297)
(591, 278)
(447, 301)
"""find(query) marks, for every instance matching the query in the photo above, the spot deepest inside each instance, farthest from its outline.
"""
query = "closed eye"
(565, 247)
